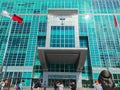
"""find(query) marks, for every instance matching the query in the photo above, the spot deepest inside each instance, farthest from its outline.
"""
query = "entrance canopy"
(75, 56)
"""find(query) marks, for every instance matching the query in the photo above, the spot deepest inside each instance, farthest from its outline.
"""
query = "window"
(62, 36)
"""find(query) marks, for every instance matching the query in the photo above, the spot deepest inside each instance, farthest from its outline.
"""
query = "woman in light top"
(97, 85)
(60, 86)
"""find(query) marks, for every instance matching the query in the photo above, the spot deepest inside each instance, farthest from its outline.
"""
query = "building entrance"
(66, 82)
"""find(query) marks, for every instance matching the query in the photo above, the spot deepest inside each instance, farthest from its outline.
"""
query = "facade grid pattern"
(103, 37)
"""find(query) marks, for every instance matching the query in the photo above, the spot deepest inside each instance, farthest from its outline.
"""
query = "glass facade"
(62, 36)
(18, 42)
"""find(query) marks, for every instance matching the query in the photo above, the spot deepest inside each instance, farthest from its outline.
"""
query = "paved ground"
(28, 88)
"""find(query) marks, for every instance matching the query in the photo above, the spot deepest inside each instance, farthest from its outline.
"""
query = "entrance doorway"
(66, 82)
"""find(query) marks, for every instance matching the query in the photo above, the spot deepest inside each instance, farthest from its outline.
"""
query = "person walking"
(38, 85)
(55, 85)
(97, 85)
(33, 85)
(20, 85)
(2, 84)
(60, 85)
(17, 86)
(44, 85)
(73, 86)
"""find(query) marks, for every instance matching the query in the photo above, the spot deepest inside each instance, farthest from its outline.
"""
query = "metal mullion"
(112, 35)
(6, 44)
(1, 37)
(96, 40)
(64, 36)
(108, 35)
(70, 3)
(21, 37)
(12, 78)
(36, 39)
(47, 6)
(17, 52)
(28, 37)
(106, 45)
(68, 36)
(96, 33)
(60, 3)
(118, 1)
(40, 8)
(101, 43)
(12, 40)
(113, 38)
(117, 31)
(60, 36)
(54, 5)
(17, 77)
(102, 48)
(100, 36)
(74, 29)
(6, 48)
(8, 74)
(64, 4)
(106, 6)
(99, 8)
(15, 48)
(41, 25)
(35, 49)
(42, 22)
(88, 38)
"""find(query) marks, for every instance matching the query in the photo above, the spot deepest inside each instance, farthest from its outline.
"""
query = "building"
(60, 40)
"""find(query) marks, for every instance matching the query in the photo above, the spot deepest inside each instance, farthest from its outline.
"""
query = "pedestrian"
(73, 86)
(60, 85)
(20, 85)
(55, 85)
(17, 86)
(33, 85)
(38, 85)
(97, 85)
(105, 79)
(44, 85)
(0, 85)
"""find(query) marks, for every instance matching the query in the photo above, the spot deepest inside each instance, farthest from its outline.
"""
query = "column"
(78, 80)
(45, 77)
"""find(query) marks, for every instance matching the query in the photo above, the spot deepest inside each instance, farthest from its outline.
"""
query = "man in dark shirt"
(38, 84)
(55, 85)
(73, 86)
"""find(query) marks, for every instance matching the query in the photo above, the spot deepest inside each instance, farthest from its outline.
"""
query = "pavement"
(28, 88)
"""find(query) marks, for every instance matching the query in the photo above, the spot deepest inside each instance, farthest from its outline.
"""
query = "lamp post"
(2, 65)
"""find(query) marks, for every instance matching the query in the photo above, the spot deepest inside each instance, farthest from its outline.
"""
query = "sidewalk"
(28, 88)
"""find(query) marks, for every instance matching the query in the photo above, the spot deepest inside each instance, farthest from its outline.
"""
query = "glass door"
(66, 82)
